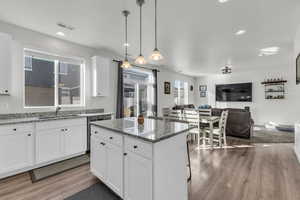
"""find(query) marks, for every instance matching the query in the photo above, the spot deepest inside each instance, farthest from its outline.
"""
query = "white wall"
(24, 38)
(284, 111)
(167, 100)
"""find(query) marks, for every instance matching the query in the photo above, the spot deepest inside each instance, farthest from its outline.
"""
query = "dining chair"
(220, 132)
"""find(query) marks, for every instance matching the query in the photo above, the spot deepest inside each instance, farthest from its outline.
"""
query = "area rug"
(264, 135)
(56, 168)
(97, 191)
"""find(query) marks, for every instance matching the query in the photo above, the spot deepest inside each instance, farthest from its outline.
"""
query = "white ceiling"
(195, 36)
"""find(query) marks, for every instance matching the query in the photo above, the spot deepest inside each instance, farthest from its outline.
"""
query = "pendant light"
(156, 55)
(140, 59)
(125, 63)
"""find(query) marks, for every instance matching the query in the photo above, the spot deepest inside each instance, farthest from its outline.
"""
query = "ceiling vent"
(65, 26)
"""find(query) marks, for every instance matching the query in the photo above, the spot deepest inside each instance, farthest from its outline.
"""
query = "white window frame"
(56, 74)
(185, 92)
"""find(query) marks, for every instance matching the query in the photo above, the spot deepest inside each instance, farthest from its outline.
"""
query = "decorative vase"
(141, 119)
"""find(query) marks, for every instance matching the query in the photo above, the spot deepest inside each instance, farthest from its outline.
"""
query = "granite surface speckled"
(153, 130)
(16, 118)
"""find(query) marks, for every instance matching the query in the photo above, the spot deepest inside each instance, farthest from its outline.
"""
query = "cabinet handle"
(62, 129)
(102, 143)
(111, 138)
(66, 129)
(125, 154)
(96, 132)
(29, 135)
(6, 91)
(135, 146)
(14, 129)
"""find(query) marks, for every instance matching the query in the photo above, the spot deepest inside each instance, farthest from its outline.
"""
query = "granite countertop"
(47, 116)
(152, 130)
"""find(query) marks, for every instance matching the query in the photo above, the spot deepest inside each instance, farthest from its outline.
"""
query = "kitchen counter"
(144, 162)
(48, 116)
(152, 130)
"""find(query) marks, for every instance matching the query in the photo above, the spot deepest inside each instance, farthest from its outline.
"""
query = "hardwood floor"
(245, 172)
(240, 172)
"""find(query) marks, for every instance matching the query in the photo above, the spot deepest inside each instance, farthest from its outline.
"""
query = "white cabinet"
(60, 139)
(107, 159)
(138, 177)
(5, 63)
(101, 76)
(114, 177)
(16, 147)
(98, 158)
(145, 170)
(74, 139)
(48, 145)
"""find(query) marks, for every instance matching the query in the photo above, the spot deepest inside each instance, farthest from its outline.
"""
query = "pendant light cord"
(126, 42)
(155, 24)
(140, 29)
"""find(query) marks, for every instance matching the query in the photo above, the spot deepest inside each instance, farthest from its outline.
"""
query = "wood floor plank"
(242, 171)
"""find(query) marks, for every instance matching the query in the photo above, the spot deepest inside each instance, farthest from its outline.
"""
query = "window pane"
(69, 84)
(39, 82)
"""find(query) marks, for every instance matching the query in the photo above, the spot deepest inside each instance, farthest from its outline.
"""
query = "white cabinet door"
(16, 151)
(48, 145)
(138, 177)
(5, 63)
(115, 168)
(101, 76)
(75, 139)
(98, 158)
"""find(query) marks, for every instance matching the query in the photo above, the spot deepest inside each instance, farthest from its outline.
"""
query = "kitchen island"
(141, 162)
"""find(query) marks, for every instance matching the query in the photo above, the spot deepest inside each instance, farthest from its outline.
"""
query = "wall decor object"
(191, 88)
(274, 88)
(203, 88)
(167, 88)
(202, 94)
(298, 70)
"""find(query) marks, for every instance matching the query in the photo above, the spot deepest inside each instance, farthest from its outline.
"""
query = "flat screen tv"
(234, 92)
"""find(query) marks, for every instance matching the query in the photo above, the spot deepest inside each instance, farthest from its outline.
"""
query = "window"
(181, 92)
(52, 80)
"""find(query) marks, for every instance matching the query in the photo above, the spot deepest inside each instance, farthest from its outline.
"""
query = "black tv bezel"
(235, 84)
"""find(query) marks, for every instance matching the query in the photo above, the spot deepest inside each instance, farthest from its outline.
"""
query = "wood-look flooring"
(240, 172)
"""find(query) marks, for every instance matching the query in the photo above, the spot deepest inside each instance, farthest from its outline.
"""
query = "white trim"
(56, 74)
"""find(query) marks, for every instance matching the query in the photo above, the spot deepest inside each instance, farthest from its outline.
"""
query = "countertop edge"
(142, 138)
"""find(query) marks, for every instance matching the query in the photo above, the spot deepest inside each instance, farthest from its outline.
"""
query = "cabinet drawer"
(109, 136)
(16, 128)
(60, 123)
(114, 138)
(137, 146)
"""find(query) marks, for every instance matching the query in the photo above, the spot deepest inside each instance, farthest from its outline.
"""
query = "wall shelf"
(274, 89)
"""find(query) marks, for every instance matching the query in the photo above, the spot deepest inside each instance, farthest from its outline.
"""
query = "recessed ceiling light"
(240, 32)
(269, 51)
(60, 34)
(223, 1)
(126, 44)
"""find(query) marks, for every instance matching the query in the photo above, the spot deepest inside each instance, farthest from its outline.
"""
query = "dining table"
(210, 120)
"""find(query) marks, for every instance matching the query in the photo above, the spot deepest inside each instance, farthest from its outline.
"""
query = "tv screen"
(234, 92)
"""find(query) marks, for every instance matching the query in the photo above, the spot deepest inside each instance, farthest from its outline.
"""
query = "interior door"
(49, 145)
(115, 168)
(138, 177)
(98, 158)
(16, 151)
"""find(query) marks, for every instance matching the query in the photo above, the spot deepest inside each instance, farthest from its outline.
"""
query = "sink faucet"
(57, 110)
